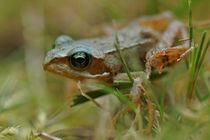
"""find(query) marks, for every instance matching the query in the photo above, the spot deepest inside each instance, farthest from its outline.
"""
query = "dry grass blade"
(88, 97)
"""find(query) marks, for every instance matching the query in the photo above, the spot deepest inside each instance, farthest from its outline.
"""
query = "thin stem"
(117, 46)
(197, 60)
(88, 97)
(190, 22)
(204, 53)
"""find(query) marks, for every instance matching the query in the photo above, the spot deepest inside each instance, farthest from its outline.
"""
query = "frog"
(150, 41)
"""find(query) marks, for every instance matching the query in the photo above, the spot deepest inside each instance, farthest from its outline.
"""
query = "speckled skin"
(148, 39)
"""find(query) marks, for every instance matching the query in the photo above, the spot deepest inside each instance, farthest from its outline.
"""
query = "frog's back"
(129, 36)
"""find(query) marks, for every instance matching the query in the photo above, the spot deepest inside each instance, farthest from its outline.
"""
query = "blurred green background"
(32, 100)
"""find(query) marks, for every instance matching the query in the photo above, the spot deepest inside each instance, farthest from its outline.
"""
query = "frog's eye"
(80, 60)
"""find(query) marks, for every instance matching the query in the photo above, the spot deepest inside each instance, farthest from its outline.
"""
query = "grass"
(196, 62)
(26, 114)
(117, 46)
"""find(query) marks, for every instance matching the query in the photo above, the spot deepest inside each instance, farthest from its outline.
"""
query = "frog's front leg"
(137, 88)
(140, 97)
(166, 52)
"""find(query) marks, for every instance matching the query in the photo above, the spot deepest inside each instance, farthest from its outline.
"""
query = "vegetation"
(35, 105)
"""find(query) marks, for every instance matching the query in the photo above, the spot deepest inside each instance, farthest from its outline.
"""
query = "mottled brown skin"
(150, 40)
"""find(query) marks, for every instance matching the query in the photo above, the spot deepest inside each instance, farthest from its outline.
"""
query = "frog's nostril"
(62, 40)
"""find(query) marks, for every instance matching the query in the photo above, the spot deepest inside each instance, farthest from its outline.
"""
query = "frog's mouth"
(64, 70)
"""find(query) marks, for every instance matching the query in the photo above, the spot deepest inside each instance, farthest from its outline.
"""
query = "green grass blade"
(196, 61)
(200, 50)
(117, 46)
(118, 94)
(190, 22)
(204, 53)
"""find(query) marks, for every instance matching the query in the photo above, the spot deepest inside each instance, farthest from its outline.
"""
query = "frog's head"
(76, 60)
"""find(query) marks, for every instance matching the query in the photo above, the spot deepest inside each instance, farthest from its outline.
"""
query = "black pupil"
(80, 60)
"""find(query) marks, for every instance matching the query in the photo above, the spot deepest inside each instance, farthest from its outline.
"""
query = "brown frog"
(149, 40)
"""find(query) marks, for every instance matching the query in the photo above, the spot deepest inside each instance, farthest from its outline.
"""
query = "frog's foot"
(140, 97)
(167, 52)
(142, 100)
